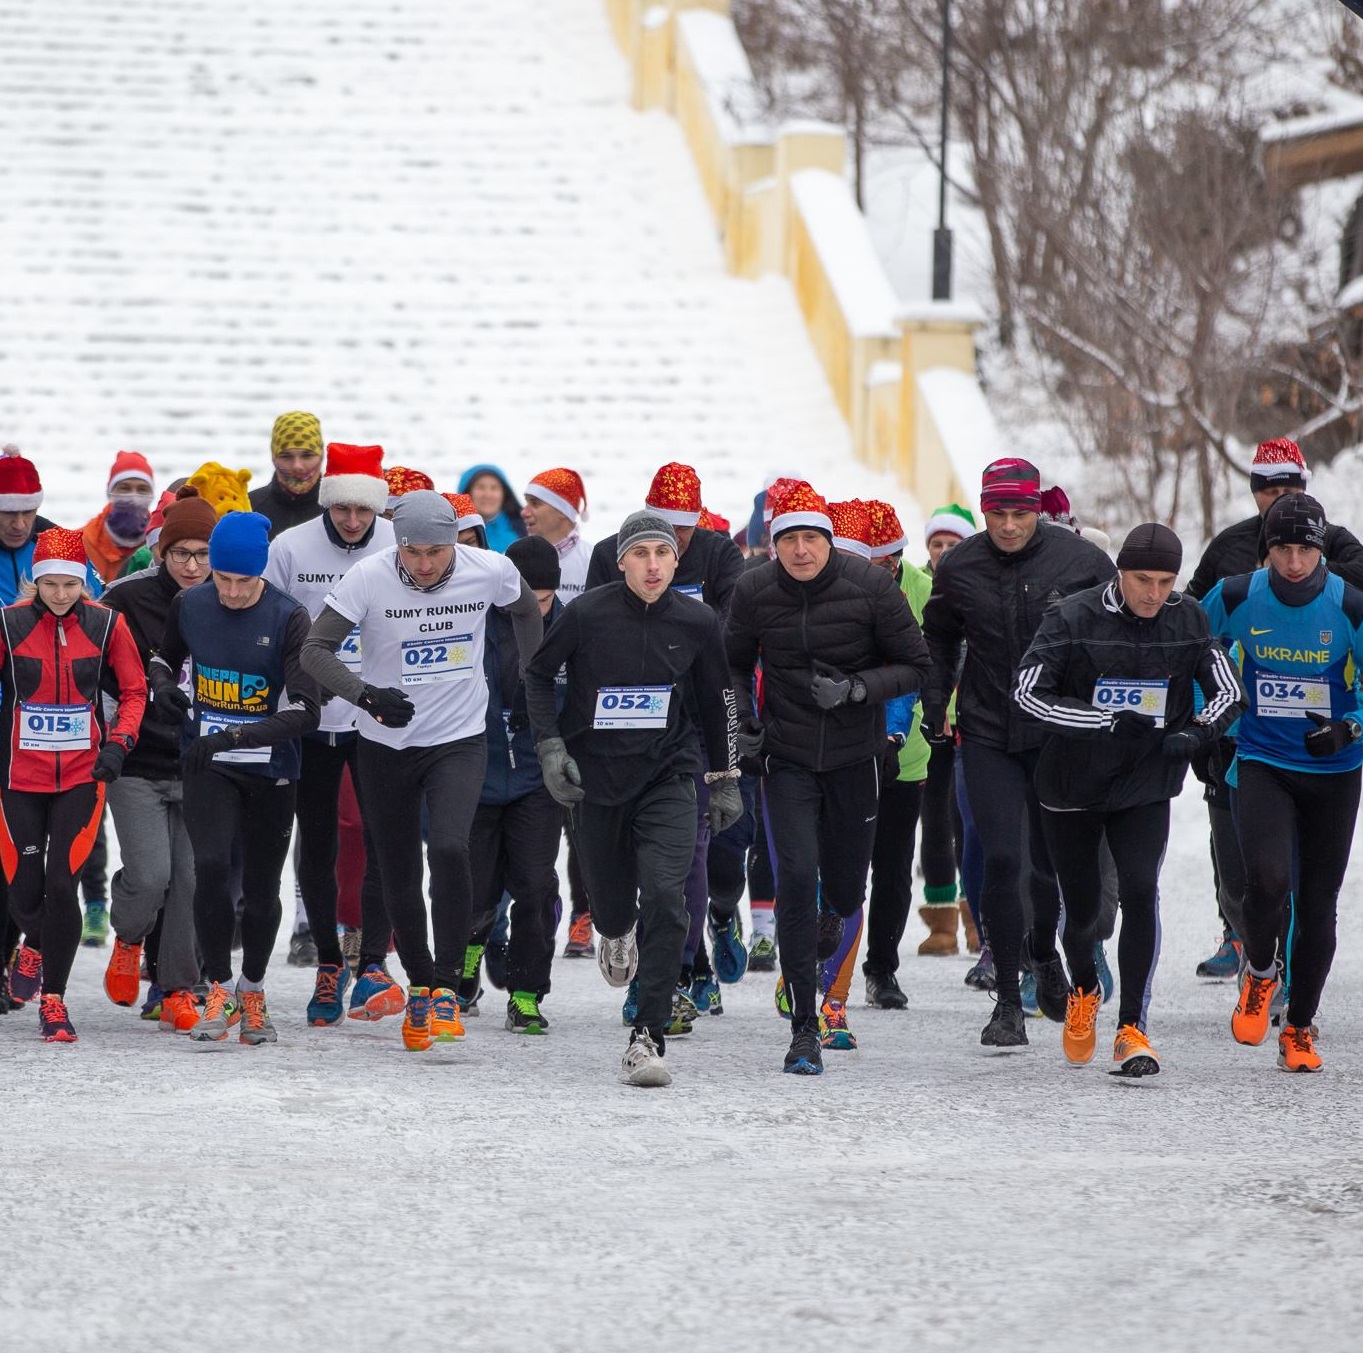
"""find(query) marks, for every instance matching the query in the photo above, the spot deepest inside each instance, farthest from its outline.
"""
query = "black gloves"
(1126, 723)
(750, 737)
(1330, 736)
(889, 758)
(726, 805)
(388, 705)
(562, 778)
(203, 750)
(166, 694)
(831, 688)
(109, 763)
(1186, 743)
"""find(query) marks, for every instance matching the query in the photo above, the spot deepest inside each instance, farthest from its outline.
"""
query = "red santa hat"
(402, 481)
(799, 508)
(674, 495)
(712, 521)
(60, 553)
(130, 465)
(887, 535)
(20, 488)
(465, 514)
(561, 489)
(1278, 462)
(772, 492)
(353, 477)
(158, 518)
(851, 527)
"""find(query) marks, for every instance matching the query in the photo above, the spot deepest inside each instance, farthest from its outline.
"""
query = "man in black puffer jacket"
(989, 594)
(836, 639)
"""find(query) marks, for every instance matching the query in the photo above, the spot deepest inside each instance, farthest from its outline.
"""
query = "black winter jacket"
(143, 600)
(1093, 637)
(1240, 549)
(286, 509)
(712, 563)
(852, 617)
(611, 637)
(992, 603)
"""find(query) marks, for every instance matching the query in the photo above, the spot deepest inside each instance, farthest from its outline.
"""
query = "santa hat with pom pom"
(20, 488)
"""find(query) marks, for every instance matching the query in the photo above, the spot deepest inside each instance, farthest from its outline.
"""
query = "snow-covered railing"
(782, 204)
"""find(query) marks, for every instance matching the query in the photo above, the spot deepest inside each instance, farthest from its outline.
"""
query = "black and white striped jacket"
(1093, 639)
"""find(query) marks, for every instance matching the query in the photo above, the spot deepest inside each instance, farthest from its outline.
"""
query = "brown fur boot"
(940, 920)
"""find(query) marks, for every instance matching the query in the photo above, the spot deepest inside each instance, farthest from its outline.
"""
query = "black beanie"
(1295, 519)
(1152, 547)
(537, 562)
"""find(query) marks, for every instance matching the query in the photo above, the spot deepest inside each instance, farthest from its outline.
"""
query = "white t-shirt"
(427, 644)
(307, 564)
(572, 564)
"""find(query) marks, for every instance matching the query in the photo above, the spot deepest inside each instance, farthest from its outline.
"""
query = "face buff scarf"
(129, 514)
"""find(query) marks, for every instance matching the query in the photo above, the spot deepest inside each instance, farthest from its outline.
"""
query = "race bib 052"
(620, 707)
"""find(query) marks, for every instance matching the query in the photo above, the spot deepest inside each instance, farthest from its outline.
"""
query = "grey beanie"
(643, 526)
(425, 518)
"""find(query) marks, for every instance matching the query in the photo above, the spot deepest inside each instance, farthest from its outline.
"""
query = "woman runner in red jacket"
(58, 650)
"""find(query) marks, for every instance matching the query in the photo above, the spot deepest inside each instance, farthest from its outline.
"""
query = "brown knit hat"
(189, 517)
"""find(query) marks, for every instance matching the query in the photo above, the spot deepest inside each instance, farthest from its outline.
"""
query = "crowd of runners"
(444, 689)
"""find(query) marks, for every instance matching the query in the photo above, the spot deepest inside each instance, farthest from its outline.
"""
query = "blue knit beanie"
(240, 543)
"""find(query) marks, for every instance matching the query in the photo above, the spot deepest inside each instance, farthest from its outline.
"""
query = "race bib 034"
(1277, 697)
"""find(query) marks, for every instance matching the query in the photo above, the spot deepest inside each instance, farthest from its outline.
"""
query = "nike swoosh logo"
(670, 647)
(1257, 633)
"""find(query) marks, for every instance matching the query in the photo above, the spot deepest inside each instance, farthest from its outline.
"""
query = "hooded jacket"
(507, 525)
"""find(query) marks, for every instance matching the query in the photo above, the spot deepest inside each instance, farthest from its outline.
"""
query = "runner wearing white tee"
(421, 608)
(307, 561)
(555, 500)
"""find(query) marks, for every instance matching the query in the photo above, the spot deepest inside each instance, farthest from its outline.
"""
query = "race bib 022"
(619, 707)
(449, 658)
(1150, 698)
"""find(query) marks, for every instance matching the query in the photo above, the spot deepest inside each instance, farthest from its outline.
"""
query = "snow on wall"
(963, 420)
(718, 58)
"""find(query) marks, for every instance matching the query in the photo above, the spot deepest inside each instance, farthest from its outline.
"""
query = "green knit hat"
(958, 520)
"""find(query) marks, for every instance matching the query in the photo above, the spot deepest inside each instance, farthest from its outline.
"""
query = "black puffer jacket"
(712, 563)
(993, 602)
(1240, 549)
(852, 617)
(1093, 637)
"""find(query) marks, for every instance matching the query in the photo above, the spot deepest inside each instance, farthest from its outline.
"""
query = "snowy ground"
(507, 1193)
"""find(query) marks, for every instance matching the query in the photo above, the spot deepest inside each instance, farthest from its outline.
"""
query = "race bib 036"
(449, 658)
(1150, 698)
(619, 707)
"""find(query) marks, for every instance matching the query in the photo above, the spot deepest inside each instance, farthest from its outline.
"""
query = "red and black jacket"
(46, 660)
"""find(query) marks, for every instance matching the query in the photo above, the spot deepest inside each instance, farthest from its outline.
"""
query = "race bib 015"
(619, 707)
(54, 728)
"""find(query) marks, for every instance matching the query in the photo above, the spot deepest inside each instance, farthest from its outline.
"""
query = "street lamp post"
(941, 237)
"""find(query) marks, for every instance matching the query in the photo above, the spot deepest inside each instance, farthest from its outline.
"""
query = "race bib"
(1278, 697)
(54, 728)
(632, 707)
(212, 722)
(690, 590)
(1140, 697)
(447, 659)
(349, 651)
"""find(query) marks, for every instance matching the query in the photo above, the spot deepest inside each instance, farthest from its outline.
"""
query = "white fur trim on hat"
(468, 523)
(858, 547)
(888, 548)
(21, 502)
(131, 474)
(793, 521)
(554, 501)
(673, 516)
(951, 524)
(353, 490)
(64, 568)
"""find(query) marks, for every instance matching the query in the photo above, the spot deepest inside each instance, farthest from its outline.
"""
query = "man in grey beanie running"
(622, 756)
(421, 608)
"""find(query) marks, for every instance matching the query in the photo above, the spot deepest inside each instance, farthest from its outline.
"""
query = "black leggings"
(1137, 838)
(940, 851)
(45, 842)
(822, 825)
(1279, 813)
(319, 791)
(221, 808)
(1003, 806)
(394, 782)
(892, 874)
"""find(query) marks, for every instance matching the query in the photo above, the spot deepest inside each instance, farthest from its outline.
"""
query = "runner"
(421, 610)
(290, 498)
(496, 503)
(119, 530)
(835, 639)
(1299, 628)
(153, 891)
(251, 703)
(1278, 468)
(57, 648)
(623, 757)
(21, 495)
(307, 562)
(554, 502)
(1110, 674)
(989, 594)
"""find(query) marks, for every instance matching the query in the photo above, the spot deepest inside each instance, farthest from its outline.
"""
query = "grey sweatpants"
(157, 872)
